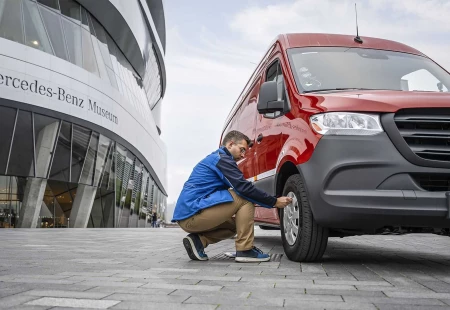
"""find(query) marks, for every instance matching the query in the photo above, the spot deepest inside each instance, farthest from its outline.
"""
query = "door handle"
(260, 137)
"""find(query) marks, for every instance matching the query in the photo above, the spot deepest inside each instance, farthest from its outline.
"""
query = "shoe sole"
(189, 246)
(251, 259)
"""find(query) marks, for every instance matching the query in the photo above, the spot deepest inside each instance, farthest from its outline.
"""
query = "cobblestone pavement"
(149, 269)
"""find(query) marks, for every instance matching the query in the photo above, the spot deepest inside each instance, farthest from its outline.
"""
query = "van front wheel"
(303, 239)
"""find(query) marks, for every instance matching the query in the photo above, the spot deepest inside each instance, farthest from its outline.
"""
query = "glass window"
(73, 38)
(99, 58)
(71, 9)
(84, 19)
(80, 145)
(89, 62)
(103, 147)
(35, 33)
(45, 131)
(326, 68)
(60, 169)
(87, 175)
(102, 40)
(21, 161)
(11, 20)
(52, 22)
(50, 3)
(7, 119)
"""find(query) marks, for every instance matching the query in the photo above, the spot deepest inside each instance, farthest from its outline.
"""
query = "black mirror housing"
(268, 99)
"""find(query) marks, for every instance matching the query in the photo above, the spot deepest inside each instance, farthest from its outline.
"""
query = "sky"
(214, 46)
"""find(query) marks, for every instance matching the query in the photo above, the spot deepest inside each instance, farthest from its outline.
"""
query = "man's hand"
(282, 202)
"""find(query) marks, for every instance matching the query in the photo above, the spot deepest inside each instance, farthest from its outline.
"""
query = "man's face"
(237, 149)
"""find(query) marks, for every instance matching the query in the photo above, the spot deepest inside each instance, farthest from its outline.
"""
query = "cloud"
(420, 23)
(207, 70)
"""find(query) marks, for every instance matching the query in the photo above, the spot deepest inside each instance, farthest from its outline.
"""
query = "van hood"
(376, 100)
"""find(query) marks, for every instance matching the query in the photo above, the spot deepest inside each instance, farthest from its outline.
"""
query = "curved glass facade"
(65, 29)
(55, 172)
(67, 156)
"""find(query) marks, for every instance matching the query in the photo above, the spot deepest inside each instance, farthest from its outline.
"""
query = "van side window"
(275, 74)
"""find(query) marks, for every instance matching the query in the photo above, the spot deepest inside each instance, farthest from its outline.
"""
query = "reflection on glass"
(21, 161)
(60, 169)
(11, 196)
(7, 118)
(53, 25)
(73, 39)
(35, 34)
(87, 174)
(11, 20)
(89, 62)
(84, 19)
(71, 9)
(45, 131)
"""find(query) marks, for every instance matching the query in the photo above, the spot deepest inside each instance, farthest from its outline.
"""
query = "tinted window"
(22, 155)
(52, 22)
(11, 20)
(61, 162)
(7, 118)
(272, 72)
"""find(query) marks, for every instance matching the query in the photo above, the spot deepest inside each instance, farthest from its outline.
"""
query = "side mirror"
(268, 99)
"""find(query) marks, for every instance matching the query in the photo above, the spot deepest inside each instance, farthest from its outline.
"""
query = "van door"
(268, 144)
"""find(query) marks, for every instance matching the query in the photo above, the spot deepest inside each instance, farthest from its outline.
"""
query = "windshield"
(341, 68)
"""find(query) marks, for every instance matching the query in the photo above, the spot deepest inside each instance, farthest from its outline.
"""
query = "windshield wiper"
(349, 88)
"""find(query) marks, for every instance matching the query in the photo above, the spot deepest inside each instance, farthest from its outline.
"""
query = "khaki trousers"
(216, 223)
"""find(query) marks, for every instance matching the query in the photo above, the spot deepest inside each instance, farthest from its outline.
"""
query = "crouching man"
(215, 192)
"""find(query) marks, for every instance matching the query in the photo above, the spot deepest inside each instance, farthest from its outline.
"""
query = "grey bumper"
(362, 182)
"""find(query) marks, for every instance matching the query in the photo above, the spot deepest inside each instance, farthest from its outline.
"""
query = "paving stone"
(67, 294)
(387, 300)
(165, 306)
(388, 272)
(302, 304)
(70, 302)
(15, 300)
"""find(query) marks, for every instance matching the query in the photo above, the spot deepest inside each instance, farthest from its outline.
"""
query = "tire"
(310, 242)
(264, 227)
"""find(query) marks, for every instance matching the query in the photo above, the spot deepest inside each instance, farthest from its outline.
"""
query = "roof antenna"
(357, 38)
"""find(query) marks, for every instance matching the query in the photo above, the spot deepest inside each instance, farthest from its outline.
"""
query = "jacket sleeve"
(234, 177)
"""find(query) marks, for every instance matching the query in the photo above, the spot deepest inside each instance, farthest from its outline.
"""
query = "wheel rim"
(291, 220)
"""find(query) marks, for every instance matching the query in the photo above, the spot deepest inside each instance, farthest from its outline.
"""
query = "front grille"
(426, 131)
(433, 182)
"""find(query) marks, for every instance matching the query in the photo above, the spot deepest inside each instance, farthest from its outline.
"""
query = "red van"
(357, 133)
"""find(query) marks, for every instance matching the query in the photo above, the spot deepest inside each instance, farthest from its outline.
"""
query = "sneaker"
(233, 254)
(254, 255)
(194, 247)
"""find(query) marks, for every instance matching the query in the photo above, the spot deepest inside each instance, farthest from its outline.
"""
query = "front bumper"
(364, 183)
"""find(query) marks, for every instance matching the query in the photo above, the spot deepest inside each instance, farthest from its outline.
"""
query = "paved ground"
(148, 269)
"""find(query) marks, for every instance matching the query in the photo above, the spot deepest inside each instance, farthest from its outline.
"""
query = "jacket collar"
(225, 150)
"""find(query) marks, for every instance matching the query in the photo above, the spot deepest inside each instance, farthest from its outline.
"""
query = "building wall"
(57, 59)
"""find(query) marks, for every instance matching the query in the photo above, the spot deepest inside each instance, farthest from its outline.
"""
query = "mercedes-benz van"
(356, 131)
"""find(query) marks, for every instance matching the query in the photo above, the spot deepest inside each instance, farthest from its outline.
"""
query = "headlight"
(346, 123)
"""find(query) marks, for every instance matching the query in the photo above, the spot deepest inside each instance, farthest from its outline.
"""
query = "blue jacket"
(209, 182)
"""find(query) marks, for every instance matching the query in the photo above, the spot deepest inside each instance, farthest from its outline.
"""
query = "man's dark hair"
(236, 136)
